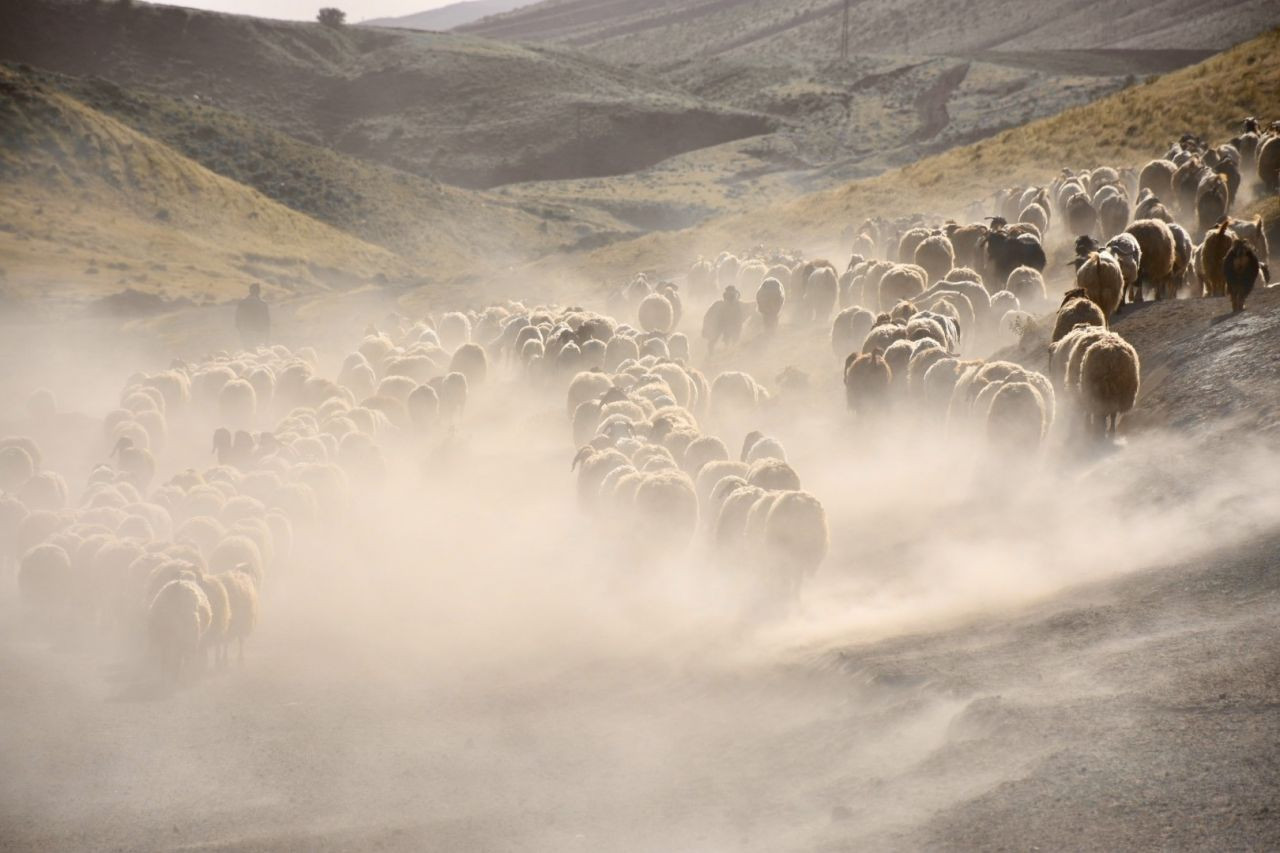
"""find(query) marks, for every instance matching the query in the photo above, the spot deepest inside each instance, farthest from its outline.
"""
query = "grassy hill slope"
(90, 206)
(424, 219)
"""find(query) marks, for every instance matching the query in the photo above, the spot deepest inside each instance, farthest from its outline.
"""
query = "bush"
(332, 17)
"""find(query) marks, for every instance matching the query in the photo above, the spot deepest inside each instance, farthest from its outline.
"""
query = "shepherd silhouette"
(253, 318)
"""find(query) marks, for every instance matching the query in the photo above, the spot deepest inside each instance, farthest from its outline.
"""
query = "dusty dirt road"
(1074, 659)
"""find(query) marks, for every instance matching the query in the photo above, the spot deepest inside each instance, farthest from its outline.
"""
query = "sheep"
(966, 244)
(1158, 255)
(1157, 177)
(1110, 375)
(757, 446)
(1016, 417)
(666, 507)
(881, 336)
(899, 284)
(712, 473)
(935, 255)
(470, 361)
(423, 406)
(848, 328)
(177, 620)
(897, 355)
(820, 292)
(1255, 232)
(596, 464)
(1128, 254)
(1102, 280)
(46, 580)
(136, 464)
(732, 502)
(733, 394)
(1268, 162)
(656, 313)
(16, 468)
(702, 451)
(1004, 251)
(1212, 201)
(453, 390)
(237, 551)
(867, 380)
(1113, 215)
(1027, 284)
(796, 539)
(1240, 269)
(242, 607)
(1002, 302)
(909, 242)
(1076, 309)
(454, 330)
(770, 297)
(751, 274)
(1082, 217)
(237, 402)
(701, 280)
(772, 474)
(1210, 257)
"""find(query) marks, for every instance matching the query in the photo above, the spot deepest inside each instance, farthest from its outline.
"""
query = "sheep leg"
(240, 643)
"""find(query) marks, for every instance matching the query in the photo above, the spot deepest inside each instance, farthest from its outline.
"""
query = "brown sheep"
(1212, 200)
(936, 256)
(1240, 268)
(1157, 176)
(1159, 255)
(1212, 255)
(1109, 380)
(1075, 310)
(867, 380)
(1102, 280)
(1269, 163)
(902, 282)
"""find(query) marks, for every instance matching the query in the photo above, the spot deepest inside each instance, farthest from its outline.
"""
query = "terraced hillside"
(670, 31)
(1128, 127)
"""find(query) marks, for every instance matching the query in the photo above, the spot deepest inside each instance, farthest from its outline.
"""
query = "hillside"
(1128, 127)
(91, 207)
(460, 109)
(413, 216)
(450, 16)
(670, 31)
(914, 82)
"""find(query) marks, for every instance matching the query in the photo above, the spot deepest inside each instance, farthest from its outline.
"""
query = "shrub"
(331, 17)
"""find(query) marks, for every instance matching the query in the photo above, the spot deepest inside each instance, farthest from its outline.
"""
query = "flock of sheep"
(926, 322)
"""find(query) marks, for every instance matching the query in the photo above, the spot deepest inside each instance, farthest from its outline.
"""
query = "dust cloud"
(462, 656)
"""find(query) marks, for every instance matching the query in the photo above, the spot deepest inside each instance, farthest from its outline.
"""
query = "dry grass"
(91, 206)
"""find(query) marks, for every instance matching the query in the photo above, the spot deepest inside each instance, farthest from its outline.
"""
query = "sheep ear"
(586, 451)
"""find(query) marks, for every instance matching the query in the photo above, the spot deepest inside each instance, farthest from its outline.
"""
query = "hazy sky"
(305, 10)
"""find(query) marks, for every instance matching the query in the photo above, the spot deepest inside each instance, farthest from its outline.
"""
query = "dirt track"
(1084, 661)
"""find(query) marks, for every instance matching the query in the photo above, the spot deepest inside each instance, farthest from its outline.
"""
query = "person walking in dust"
(253, 318)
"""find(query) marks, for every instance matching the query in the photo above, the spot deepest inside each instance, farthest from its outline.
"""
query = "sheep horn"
(586, 451)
